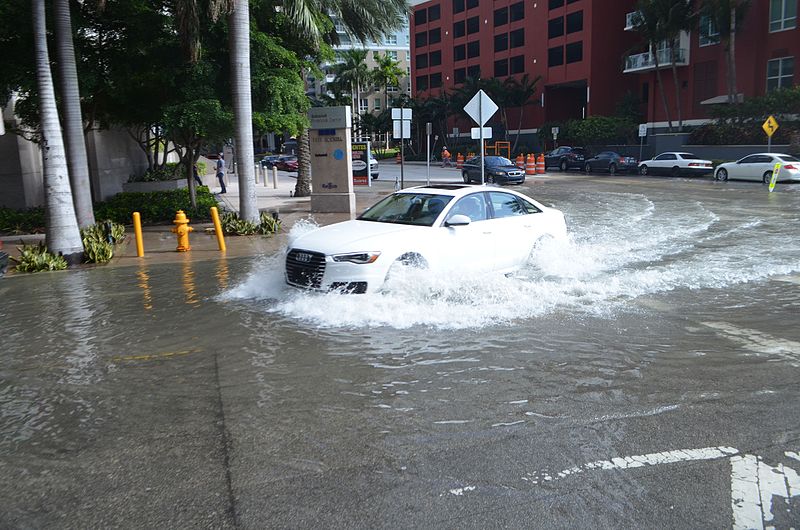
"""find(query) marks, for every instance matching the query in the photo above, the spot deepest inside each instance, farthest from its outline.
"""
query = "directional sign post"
(401, 129)
(480, 108)
(428, 131)
(775, 172)
(642, 134)
(770, 126)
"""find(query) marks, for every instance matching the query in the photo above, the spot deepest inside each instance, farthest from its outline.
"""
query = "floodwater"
(210, 394)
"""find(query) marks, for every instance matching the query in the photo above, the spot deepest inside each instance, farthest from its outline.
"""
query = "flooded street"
(641, 374)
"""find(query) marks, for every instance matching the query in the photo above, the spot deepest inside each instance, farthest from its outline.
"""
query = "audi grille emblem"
(304, 257)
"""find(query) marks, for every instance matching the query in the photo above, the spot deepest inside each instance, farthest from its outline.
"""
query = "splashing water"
(623, 248)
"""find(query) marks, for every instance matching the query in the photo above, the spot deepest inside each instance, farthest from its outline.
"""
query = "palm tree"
(727, 16)
(239, 26)
(353, 71)
(387, 73)
(649, 24)
(63, 236)
(77, 162)
(677, 17)
(520, 93)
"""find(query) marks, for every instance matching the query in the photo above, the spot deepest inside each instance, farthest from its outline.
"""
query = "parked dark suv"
(565, 158)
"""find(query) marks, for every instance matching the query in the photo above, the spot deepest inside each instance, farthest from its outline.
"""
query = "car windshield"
(788, 159)
(496, 161)
(419, 209)
(689, 156)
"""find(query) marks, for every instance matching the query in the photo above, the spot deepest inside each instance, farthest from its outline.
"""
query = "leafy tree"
(677, 17)
(387, 73)
(727, 16)
(649, 23)
(354, 72)
(519, 94)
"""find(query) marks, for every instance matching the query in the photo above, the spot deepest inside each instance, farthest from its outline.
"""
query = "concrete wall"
(113, 157)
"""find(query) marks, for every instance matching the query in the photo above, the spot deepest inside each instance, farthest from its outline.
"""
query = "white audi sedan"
(443, 228)
(759, 167)
(676, 164)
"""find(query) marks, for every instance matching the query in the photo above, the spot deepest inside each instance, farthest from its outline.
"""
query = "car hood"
(353, 236)
(502, 168)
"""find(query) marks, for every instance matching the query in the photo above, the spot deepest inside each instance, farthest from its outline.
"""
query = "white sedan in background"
(676, 164)
(442, 228)
(759, 167)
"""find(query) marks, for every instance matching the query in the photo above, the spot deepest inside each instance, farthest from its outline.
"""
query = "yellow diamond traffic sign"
(770, 126)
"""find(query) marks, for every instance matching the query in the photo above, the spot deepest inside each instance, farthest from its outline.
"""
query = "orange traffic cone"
(530, 165)
(540, 169)
(521, 161)
(459, 161)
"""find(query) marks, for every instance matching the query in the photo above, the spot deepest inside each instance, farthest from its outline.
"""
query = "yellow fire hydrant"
(182, 229)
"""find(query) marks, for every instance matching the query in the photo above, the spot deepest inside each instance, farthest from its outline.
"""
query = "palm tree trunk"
(732, 60)
(677, 87)
(519, 126)
(243, 109)
(73, 123)
(661, 87)
(303, 186)
(63, 236)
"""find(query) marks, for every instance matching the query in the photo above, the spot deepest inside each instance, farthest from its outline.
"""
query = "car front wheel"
(563, 165)
(643, 170)
(612, 169)
(722, 175)
(587, 168)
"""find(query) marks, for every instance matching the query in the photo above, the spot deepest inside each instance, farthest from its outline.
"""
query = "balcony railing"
(630, 20)
(647, 61)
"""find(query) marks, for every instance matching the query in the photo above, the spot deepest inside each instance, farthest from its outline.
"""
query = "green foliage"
(594, 130)
(99, 241)
(233, 225)
(171, 171)
(156, 206)
(14, 222)
(36, 258)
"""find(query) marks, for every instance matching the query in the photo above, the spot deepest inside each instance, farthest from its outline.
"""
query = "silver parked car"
(676, 164)
(759, 167)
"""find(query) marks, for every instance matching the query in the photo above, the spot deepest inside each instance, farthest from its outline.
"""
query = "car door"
(663, 163)
(601, 161)
(470, 247)
(512, 225)
(744, 168)
(763, 164)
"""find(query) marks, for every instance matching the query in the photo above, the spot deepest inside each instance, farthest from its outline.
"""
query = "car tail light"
(622, 160)
(790, 166)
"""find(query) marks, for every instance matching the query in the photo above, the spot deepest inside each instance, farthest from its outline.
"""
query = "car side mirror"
(458, 220)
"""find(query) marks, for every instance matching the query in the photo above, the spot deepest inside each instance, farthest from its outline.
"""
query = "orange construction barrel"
(530, 165)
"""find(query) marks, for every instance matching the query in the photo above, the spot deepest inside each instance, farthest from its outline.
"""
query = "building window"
(377, 103)
(459, 29)
(555, 28)
(575, 22)
(782, 15)
(391, 40)
(473, 49)
(421, 39)
(420, 16)
(556, 4)
(434, 13)
(501, 68)
(434, 36)
(501, 42)
(472, 3)
(709, 34)
(459, 75)
(459, 52)
(392, 54)
(474, 71)
(780, 73)
(391, 88)
(517, 11)
(422, 82)
(458, 6)
(473, 25)
(555, 56)
(517, 38)
(575, 52)
(436, 80)
(517, 64)
(435, 58)
(421, 61)
(500, 17)
(363, 105)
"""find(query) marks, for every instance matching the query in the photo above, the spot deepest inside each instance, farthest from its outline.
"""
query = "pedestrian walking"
(446, 162)
(196, 175)
(221, 172)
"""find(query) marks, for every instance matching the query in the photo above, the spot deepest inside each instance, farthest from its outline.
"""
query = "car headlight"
(361, 258)
(497, 173)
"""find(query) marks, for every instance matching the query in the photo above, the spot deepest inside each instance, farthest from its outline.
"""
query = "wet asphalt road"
(205, 394)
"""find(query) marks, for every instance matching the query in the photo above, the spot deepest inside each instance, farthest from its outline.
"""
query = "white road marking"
(508, 423)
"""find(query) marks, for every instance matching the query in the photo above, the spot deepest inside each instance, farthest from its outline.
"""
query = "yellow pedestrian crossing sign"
(770, 126)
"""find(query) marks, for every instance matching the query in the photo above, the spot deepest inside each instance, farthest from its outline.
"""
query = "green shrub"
(14, 222)
(170, 171)
(269, 224)
(156, 206)
(233, 225)
(99, 241)
(36, 258)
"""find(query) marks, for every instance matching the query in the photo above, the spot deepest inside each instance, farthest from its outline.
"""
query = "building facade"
(590, 58)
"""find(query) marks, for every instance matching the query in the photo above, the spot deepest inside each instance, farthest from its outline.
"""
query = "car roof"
(766, 154)
(455, 190)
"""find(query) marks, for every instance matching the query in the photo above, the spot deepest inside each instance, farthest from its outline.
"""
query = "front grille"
(515, 173)
(305, 268)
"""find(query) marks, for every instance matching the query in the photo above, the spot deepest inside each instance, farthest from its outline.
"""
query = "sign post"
(642, 134)
(401, 125)
(555, 131)
(480, 108)
(428, 131)
(770, 126)
(775, 172)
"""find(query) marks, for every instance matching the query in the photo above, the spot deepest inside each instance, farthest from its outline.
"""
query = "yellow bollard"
(218, 229)
(137, 230)
(182, 230)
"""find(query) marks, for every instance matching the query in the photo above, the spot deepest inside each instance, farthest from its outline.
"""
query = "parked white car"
(374, 168)
(676, 164)
(759, 167)
(443, 228)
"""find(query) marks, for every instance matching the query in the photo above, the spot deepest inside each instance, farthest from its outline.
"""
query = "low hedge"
(15, 222)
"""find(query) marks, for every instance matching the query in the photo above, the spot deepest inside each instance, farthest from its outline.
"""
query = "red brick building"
(589, 58)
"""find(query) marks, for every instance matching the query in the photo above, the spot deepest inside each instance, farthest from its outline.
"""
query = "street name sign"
(476, 133)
